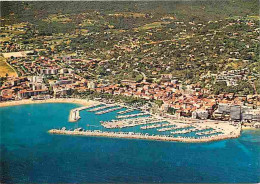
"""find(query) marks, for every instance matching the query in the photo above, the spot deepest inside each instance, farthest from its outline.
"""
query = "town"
(175, 68)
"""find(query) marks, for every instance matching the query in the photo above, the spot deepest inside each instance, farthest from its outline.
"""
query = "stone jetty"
(132, 135)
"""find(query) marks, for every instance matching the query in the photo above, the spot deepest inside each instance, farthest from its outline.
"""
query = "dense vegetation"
(207, 10)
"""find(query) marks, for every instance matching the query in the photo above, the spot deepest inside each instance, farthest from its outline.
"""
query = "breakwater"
(132, 135)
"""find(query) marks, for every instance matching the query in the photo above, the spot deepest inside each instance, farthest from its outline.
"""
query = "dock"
(91, 106)
(101, 108)
(209, 132)
(129, 122)
(183, 131)
(158, 125)
(126, 111)
(108, 110)
(173, 128)
(132, 115)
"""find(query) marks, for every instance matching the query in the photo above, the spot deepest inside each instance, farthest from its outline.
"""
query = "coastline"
(228, 133)
(52, 100)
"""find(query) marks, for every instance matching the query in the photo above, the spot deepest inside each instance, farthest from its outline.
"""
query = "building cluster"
(153, 56)
(189, 101)
(236, 113)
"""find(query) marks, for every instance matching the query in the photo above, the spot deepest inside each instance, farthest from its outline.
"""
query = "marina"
(140, 124)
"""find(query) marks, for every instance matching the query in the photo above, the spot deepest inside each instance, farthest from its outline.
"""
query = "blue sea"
(30, 154)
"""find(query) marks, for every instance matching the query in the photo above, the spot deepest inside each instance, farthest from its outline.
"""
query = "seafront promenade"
(132, 135)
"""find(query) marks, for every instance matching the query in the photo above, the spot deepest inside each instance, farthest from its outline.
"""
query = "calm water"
(30, 154)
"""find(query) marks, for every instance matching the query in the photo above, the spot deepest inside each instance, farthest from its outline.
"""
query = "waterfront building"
(235, 113)
(200, 114)
(28, 93)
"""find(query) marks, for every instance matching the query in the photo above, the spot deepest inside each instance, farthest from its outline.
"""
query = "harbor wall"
(141, 136)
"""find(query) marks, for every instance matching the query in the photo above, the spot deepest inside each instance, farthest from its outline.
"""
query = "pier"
(157, 125)
(109, 110)
(101, 108)
(126, 111)
(173, 128)
(132, 115)
(129, 122)
(183, 131)
(91, 106)
(209, 132)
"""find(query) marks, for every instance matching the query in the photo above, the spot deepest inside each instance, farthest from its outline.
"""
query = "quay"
(108, 110)
(132, 135)
(132, 115)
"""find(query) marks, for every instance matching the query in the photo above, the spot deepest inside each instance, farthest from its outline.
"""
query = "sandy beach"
(249, 128)
(53, 100)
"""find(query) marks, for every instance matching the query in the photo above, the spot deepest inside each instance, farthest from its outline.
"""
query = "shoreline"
(228, 130)
(52, 100)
